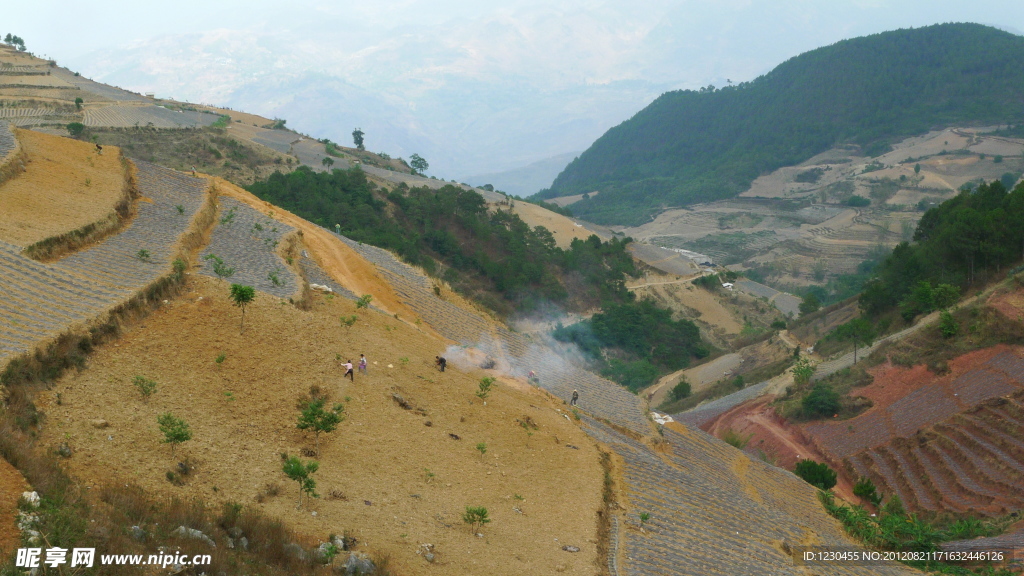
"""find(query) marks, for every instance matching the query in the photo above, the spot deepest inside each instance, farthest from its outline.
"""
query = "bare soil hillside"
(66, 185)
(12, 485)
(392, 477)
(564, 228)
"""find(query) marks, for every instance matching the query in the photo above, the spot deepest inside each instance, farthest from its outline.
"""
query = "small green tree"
(179, 267)
(418, 164)
(810, 304)
(482, 449)
(357, 137)
(945, 296)
(219, 268)
(865, 489)
(364, 301)
(175, 430)
(78, 103)
(484, 388)
(314, 416)
(75, 129)
(143, 255)
(860, 331)
(681, 390)
(301, 472)
(816, 474)
(476, 517)
(349, 321)
(802, 371)
(917, 168)
(821, 401)
(948, 325)
(327, 162)
(242, 296)
(146, 386)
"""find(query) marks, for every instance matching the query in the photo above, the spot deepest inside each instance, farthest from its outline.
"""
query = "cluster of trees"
(957, 244)
(646, 342)
(693, 146)
(451, 233)
(16, 41)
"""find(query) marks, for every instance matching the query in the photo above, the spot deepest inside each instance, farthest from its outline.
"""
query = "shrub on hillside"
(858, 201)
(821, 402)
(680, 390)
(816, 474)
(709, 282)
(948, 325)
(75, 129)
(865, 489)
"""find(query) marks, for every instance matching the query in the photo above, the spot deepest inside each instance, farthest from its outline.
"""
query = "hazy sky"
(473, 85)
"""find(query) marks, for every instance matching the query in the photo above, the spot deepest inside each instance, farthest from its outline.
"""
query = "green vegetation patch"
(963, 242)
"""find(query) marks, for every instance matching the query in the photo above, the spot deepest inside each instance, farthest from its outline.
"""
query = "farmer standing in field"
(348, 371)
(441, 362)
(575, 397)
(362, 363)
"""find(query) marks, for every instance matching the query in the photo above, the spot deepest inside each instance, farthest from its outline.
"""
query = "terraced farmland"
(102, 91)
(921, 408)
(316, 275)
(7, 141)
(280, 140)
(43, 300)
(246, 241)
(700, 524)
(154, 116)
(786, 303)
(708, 411)
(951, 445)
(970, 462)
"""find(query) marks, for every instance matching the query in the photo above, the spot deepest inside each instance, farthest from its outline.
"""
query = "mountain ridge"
(697, 146)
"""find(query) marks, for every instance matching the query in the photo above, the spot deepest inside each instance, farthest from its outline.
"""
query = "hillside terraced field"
(145, 116)
(952, 444)
(66, 185)
(43, 300)
(796, 219)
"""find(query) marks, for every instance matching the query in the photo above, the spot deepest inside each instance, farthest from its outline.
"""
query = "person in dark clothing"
(575, 397)
(441, 362)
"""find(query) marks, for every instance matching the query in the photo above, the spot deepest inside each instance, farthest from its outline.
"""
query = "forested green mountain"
(696, 146)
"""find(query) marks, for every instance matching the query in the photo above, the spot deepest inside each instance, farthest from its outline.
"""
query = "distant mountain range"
(409, 95)
(693, 146)
(527, 180)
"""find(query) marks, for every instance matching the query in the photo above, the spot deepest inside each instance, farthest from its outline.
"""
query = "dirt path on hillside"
(772, 436)
(12, 484)
(649, 284)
